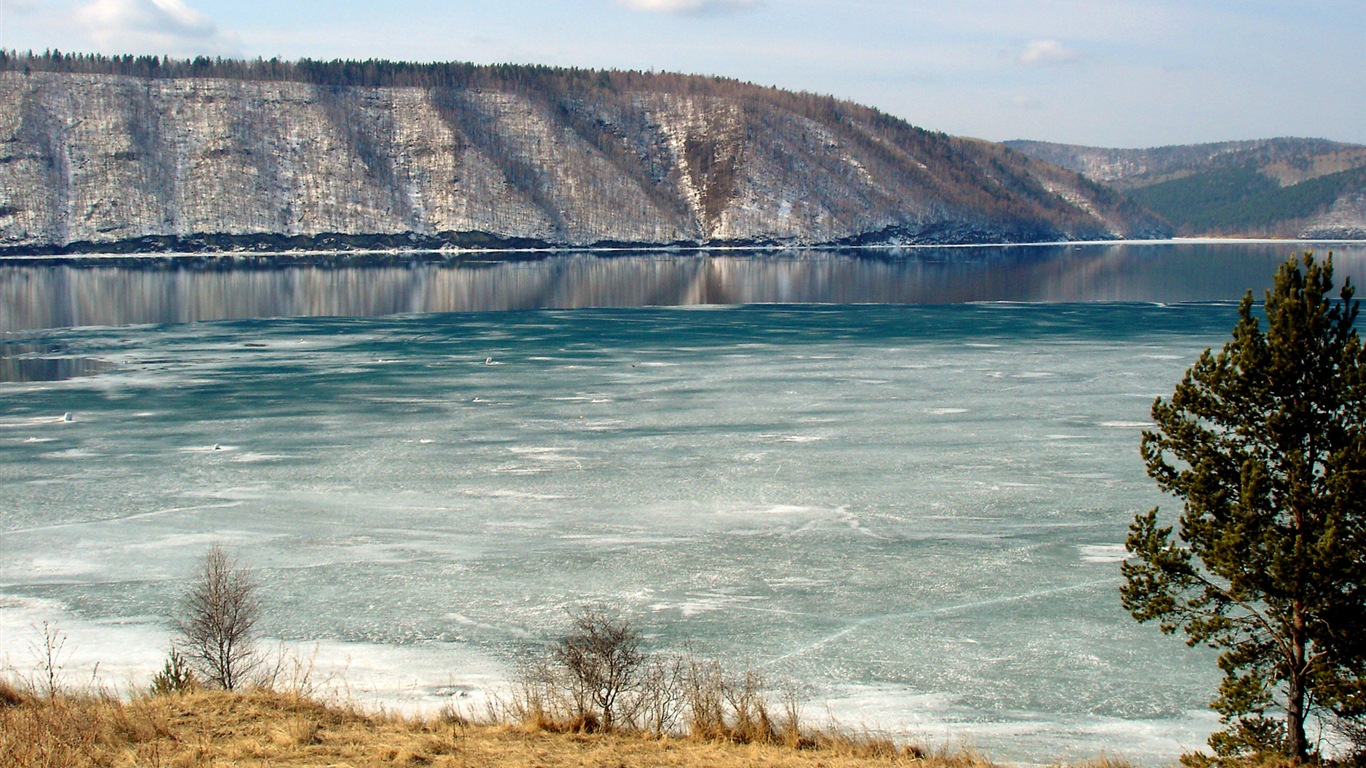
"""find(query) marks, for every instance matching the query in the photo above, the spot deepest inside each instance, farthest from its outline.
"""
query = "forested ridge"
(1280, 187)
(251, 151)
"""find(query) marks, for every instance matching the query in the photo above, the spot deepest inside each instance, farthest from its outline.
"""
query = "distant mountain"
(1272, 187)
(120, 153)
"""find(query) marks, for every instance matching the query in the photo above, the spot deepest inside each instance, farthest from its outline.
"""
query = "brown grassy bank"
(262, 728)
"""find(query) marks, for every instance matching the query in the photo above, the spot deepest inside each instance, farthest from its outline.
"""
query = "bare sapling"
(217, 624)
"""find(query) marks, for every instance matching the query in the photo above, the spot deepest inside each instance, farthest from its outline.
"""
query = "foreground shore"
(263, 728)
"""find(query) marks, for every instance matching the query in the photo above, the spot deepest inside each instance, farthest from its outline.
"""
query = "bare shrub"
(597, 677)
(50, 655)
(732, 708)
(291, 672)
(597, 664)
(740, 708)
(540, 699)
(217, 626)
(705, 688)
(749, 711)
(661, 696)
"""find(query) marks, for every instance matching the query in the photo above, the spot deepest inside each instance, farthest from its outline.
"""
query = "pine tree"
(1264, 445)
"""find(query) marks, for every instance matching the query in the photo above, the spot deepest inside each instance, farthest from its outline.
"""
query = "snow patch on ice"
(1103, 553)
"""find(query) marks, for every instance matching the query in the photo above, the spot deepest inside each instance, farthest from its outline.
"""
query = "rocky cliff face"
(93, 160)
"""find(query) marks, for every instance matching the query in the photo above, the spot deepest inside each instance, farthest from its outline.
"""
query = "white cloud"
(154, 27)
(690, 7)
(1046, 52)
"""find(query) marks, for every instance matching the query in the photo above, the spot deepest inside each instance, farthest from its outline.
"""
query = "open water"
(912, 511)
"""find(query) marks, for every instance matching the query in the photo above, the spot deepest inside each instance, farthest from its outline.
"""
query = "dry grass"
(212, 728)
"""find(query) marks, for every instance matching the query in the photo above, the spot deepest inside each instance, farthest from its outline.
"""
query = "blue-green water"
(913, 512)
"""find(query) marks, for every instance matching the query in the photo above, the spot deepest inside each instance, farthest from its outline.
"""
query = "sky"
(1121, 73)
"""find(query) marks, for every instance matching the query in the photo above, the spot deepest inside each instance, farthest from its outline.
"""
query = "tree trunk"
(1296, 744)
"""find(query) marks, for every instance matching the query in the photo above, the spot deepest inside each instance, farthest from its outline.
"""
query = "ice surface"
(888, 504)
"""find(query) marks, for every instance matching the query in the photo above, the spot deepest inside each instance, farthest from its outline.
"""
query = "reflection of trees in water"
(21, 362)
(83, 291)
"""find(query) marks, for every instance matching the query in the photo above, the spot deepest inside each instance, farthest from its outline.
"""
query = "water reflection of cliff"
(50, 296)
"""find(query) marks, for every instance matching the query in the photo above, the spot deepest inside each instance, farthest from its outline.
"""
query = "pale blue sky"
(1124, 73)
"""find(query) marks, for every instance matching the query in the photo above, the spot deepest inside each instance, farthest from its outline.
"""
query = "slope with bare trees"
(122, 153)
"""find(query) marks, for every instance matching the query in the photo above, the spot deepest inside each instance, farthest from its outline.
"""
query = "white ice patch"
(1126, 424)
(619, 540)
(939, 721)
(1103, 553)
(36, 421)
(791, 438)
(505, 493)
(256, 458)
(72, 453)
(698, 603)
(602, 425)
(548, 455)
(790, 582)
(46, 568)
(774, 509)
(196, 542)
(119, 656)
(945, 411)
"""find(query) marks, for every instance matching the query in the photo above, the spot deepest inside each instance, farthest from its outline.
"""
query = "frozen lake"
(915, 512)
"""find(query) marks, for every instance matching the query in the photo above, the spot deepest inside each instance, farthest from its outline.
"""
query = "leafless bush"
(538, 700)
(217, 626)
(737, 708)
(590, 679)
(50, 653)
(284, 670)
(602, 659)
(661, 697)
(597, 677)
(705, 687)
